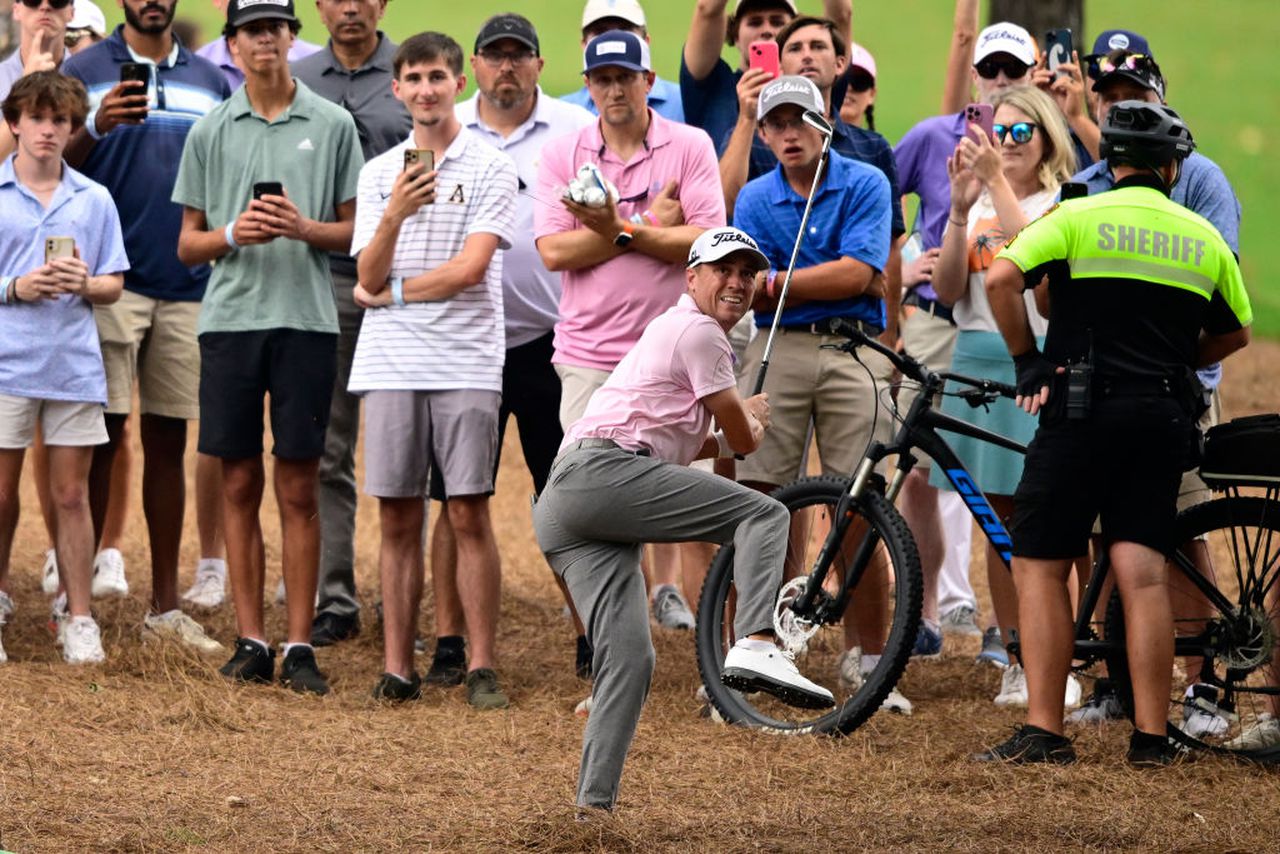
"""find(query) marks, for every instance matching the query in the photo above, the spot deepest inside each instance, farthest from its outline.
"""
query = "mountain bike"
(848, 542)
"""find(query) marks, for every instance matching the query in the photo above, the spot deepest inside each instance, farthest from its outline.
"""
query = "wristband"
(769, 282)
(230, 234)
(651, 219)
(726, 452)
(964, 224)
(91, 126)
(397, 290)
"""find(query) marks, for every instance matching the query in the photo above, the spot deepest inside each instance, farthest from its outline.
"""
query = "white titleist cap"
(715, 243)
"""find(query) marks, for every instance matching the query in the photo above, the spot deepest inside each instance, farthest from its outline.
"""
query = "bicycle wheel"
(1228, 643)
(893, 574)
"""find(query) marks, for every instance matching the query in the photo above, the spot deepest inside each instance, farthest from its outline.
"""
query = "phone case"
(1057, 48)
(981, 115)
(764, 54)
(59, 247)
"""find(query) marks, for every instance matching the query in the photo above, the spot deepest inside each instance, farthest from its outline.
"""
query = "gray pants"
(598, 507)
(336, 593)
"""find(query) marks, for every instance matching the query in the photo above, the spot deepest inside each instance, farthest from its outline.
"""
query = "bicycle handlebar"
(915, 370)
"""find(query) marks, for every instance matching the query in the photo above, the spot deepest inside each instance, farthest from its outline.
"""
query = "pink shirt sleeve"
(703, 356)
(554, 173)
(701, 194)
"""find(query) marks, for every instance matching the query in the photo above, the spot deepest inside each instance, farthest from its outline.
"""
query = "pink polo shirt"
(653, 398)
(604, 308)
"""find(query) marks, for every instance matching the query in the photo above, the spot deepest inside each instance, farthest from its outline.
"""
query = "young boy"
(50, 361)
(268, 181)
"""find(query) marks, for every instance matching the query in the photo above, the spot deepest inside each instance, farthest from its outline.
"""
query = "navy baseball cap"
(616, 47)
(1109, 40)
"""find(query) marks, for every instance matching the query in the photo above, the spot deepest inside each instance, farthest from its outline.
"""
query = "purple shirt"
(219, 54)
(921, 157)
(653, 399)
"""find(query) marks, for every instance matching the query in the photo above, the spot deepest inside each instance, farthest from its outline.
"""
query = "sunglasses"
(860, 81)
(989, 69)
(1020, 131)
(518, 59)
(53, 4)
(1106, 63)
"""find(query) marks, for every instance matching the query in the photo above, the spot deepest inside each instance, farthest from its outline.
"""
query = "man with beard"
(131, 143)
(354, 72)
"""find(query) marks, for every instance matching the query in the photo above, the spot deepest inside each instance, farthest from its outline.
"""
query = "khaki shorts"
(828, 386)
(577, 384)
(930, 340)
(1193, 490)
(62, 423)
(153, 342)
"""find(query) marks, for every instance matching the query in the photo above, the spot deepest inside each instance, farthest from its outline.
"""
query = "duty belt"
(1138, 387)
(828, 326)
(929, 306)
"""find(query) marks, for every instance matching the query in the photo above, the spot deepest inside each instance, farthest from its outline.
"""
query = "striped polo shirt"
(456, 343)
(138, 164)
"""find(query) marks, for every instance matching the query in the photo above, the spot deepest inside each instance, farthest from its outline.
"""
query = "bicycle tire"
(808, 498)
(1243, 536)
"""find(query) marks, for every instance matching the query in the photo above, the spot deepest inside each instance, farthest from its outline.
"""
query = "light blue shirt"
(530, 292)
(664, 98)
(49, 349)
(10, 71)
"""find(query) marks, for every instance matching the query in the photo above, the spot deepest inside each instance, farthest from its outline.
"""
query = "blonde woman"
(998, 185)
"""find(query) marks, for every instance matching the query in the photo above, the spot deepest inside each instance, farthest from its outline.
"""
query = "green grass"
(1219, 59)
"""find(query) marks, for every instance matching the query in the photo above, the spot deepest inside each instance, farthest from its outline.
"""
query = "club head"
(818, 122)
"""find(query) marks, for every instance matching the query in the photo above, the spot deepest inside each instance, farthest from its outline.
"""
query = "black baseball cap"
(241, 12)
(507, 26)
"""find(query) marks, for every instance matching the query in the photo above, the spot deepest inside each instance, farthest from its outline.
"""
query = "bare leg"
(450, 621)
(69, 486)
(1045, 641)
(40, 468)
(209, 506)
(695, 558)
(401, 568)
(1148, 622)
(118, 495)
(479, 574)
(297, 484)
(10, 474)
(104, 457)
(164, 501)
(1004, 596)
(919, 506)
(666, 565)
(242, 485)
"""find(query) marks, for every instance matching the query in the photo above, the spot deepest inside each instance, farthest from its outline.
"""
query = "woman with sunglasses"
(999, 183)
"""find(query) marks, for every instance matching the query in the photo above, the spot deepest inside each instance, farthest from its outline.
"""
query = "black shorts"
(1123, 464)
(237, 369)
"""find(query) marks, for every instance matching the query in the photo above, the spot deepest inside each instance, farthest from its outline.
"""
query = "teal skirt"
(996, 470)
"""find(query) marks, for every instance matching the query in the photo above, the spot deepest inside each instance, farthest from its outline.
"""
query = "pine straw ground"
(153, 752)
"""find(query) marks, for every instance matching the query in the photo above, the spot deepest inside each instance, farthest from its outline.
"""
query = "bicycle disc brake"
(792, 631)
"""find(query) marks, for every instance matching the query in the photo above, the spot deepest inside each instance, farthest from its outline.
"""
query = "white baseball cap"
(627, 10)
(88, 16)
(715, 243)
(1004, 37)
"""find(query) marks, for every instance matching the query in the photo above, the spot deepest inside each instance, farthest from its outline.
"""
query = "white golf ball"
(593, 197)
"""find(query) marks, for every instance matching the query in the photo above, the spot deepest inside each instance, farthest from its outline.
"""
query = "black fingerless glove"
(1034, 372)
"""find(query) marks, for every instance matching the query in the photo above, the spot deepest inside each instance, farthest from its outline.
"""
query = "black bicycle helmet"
(1144, 134)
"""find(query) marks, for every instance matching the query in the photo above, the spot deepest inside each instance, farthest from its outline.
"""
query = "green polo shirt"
(313, 150)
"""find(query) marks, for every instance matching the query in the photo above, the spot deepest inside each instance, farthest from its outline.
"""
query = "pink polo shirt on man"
(653, 398)
(605, 308)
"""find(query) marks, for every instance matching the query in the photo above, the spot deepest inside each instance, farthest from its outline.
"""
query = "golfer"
(622, 479)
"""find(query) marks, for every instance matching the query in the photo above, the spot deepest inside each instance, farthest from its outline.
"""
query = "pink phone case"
(764, 54)
(981, 115)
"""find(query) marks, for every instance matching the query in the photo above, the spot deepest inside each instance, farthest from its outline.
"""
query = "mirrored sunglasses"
(1020, 131)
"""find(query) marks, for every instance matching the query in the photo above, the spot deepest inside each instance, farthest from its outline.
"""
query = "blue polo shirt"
(664, 98)
(49, 349)
(712, 102)
(851, 215)
(855, 143)
(138, 164)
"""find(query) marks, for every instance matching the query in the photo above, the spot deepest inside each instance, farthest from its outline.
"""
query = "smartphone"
(413, 156)
(139, 71)
(1074, 190)
(59, 247)
(981, 115)
(267, 188)
(764, 54)
(1057, 49)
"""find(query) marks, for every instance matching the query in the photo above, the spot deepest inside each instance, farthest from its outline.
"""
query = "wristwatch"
(625, 236)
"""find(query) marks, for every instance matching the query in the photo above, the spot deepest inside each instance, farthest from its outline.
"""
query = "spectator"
(43, 26)
(623, 478)
(510, 112)
(86, 28)
(602, 16)
(837, 277)
(995, 192)
(429, 358)
(268, 324)
(353, 71)
(131, 144)
(668, 193)
(860, 89)
(708, 87)
(50, 361)
(220, 54)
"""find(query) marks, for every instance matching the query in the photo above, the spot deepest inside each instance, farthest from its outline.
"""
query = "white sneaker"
(108, 574)
(58, 616)
(1264, 733)
(583, 709)
(210, 587)
(849, 669)
(960, 621)
(49, 573)
(6, 608)
(896, 703)
(175, 625)
(761, 666)
(1201, 715)
(1013, 687)
(82, 642)
(1074, 692)
(670, 608)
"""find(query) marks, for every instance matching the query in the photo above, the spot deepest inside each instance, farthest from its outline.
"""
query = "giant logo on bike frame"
(982, 511)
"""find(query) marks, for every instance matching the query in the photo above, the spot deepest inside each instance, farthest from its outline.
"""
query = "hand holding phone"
(59, 247)
(267, 188)
(1057, 49)
(982, 115)
(764, 55)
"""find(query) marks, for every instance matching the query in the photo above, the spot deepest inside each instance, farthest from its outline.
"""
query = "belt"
(929, 306)
(594, 443)
(824, 327)
(1138, 387)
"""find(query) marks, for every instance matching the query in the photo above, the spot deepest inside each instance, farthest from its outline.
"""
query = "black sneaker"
(300, 672)
(582, 666)
(1030, 744)
(483, 691)
(448, 668)
(251, 662)
(1154, 751)
(328, 629)
(397, 690)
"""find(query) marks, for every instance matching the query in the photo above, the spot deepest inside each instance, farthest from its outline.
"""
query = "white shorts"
(62, 422)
